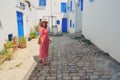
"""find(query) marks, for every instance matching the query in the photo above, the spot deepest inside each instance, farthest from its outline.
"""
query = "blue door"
(20, 24)
(64, 24)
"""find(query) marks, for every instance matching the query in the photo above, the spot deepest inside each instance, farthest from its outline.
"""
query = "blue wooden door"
(64, 24)
(20, 24)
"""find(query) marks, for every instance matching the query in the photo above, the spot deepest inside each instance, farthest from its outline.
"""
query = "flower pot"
(21, 46)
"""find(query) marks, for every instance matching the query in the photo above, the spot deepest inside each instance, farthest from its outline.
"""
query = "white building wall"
(9, 20)
(56, 11)
(78, 27)
(75, 16)
(72, 16)
(101, 24)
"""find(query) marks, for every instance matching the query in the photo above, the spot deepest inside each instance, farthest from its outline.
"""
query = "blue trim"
(58, 22)
(42, 2)
(91, 0)
(20, 24)
(63, 7)
(73, 25)
(71, 5)
(81, 5)
(70, 23)
(64, 24)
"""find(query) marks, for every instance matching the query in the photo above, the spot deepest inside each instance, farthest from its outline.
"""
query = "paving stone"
(67, 78)
(94, 77)
(75, 77)
(41, 78)
(72, 60)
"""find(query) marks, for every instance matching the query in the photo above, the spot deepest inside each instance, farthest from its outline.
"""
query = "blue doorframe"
(20, 24)
(64, 24)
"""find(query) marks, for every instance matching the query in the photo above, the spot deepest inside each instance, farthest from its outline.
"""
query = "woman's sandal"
(40, 61)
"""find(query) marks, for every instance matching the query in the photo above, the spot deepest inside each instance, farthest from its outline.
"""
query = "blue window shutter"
(63, 7)
(73, 25)
(81, 7)
(70, 23)
(42, 2)
(71, 5)
(58, 22)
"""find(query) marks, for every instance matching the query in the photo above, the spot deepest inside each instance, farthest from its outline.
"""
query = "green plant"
(3, 51)
(8, 56)
(82, 39)
(5, 55)
(86, 41)
(18, 65)
(2, 59)
(22, 42)
(8, 44)
(36, 27)
(33, 35)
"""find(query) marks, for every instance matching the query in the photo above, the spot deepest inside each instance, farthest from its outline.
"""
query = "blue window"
(71, 5)
(63, 7)
(70, 23)
(91, 0)
(42, 2)
(73, 25)
(81, 4)
(58, 22)
(10, 36)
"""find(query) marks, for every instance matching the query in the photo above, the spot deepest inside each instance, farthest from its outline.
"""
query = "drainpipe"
(68, 8)
(51, 17)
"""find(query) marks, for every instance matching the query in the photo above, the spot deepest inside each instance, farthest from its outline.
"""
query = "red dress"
(44, 46)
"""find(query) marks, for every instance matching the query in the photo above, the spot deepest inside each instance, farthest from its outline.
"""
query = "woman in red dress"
(44, 42)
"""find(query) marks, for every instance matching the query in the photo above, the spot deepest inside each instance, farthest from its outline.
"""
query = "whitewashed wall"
(76, 17)
(101, 24)
(71, 16)
(8, 20)
(78, 26)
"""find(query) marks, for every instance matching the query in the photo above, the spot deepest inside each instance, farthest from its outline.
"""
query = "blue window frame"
(42, 2)
(73, 25)
(63, 7)
(91, 0)
(70, 23)
(58, 22)
(71, 5)
(81, 4)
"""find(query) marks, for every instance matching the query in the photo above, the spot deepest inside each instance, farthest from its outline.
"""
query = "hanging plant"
(28, 2)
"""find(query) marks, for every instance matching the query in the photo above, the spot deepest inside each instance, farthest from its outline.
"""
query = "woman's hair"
(43, 22)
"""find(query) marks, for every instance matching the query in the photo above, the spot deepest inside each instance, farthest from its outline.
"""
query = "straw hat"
(44, 20)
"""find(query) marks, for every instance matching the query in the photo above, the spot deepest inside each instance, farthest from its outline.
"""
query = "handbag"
(39, 40)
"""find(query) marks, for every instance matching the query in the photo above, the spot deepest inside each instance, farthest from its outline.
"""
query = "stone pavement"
(73, 60)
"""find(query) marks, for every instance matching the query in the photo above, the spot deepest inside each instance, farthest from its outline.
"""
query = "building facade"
(97, 19)
(17, 17)
(101, 23)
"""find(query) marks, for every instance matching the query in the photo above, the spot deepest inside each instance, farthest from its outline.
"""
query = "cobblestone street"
(73, 60)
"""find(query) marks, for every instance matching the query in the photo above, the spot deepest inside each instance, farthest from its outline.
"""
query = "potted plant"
(15, 44)
(22, 42)
(8, 46)
(2, 57)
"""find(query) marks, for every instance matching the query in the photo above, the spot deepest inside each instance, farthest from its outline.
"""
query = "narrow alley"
(73, 60)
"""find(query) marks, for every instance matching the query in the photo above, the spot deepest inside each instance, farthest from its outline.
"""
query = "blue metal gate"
(64, 24)
(20, 24)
